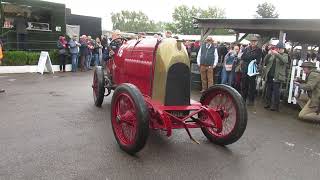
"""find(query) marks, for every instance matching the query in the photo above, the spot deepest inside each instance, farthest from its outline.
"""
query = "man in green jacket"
(275, 74)
(310, 111)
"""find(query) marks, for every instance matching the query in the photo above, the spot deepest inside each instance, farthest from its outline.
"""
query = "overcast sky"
(161, 10)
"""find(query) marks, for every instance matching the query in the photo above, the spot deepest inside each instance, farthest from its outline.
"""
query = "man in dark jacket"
(275, 74)
(248, 83)
(222, 51)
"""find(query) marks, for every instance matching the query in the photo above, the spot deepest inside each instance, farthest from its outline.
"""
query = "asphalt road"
(50, 129)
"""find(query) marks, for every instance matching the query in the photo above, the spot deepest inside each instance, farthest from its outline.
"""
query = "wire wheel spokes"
(95, 85)
(225, 104)
(125, 122)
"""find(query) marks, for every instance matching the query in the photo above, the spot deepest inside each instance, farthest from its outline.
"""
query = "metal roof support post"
(242, 38)
(304, 51)
(205, 32)
(282, 36)
(237, 36)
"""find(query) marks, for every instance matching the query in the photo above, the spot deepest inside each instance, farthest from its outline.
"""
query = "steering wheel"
(116, 45)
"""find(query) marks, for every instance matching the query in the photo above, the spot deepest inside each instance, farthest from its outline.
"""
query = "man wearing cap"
(275, 73)
(114, 44)
(248, 83)
(310, 111)
(141, 35)
(207, 59)
(168, 34)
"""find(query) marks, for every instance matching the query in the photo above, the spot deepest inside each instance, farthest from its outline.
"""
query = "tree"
(132, 21)
(212, 12)
(171, 27)
(266, 10)
(183, 18)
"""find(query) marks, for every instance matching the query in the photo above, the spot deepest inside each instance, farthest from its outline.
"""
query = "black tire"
(241, 115)
(142, 117)
(99, 95)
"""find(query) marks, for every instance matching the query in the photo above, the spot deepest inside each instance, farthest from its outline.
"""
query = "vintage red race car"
(151, 83)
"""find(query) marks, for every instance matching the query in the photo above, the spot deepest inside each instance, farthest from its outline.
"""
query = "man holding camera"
(311, 110)
(275, 73)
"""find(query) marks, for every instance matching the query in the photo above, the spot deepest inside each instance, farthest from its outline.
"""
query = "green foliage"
(21, 58)
(54, 57)
(32, 58)
(160, 26)
(171, 27)
(14, 58)
(212, 12)
(266, 10)
(132, 21)
(183, 18)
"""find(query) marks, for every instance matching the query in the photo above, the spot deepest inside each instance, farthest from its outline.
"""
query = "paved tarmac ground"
(50, 129)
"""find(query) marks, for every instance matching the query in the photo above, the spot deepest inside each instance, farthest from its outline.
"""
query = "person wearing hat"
(168, 34)
(274, 74)
(207, 59)
(141, 35)
(251, 54)
(114, 44)
(310, 112)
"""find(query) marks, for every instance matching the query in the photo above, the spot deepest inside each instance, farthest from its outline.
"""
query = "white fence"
(297, 71)
(28, 69)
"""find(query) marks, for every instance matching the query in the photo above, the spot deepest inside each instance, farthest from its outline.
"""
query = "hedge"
(21, 58)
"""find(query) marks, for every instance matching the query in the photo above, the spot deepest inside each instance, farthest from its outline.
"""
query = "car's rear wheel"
(98, 86)
(129, 118)
(230, 105)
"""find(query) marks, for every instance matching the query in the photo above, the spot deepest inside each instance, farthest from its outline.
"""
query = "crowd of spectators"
(90, 51)
(238, 65)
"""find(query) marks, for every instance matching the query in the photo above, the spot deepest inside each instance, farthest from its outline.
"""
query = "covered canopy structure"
(303, 31)
(297, 30)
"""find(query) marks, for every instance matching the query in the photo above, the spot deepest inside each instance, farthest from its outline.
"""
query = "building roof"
(298, 30)
(220, 38)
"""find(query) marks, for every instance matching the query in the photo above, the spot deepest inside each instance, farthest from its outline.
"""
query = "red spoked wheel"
(98, 86)
(230, 105)
(129, 118)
